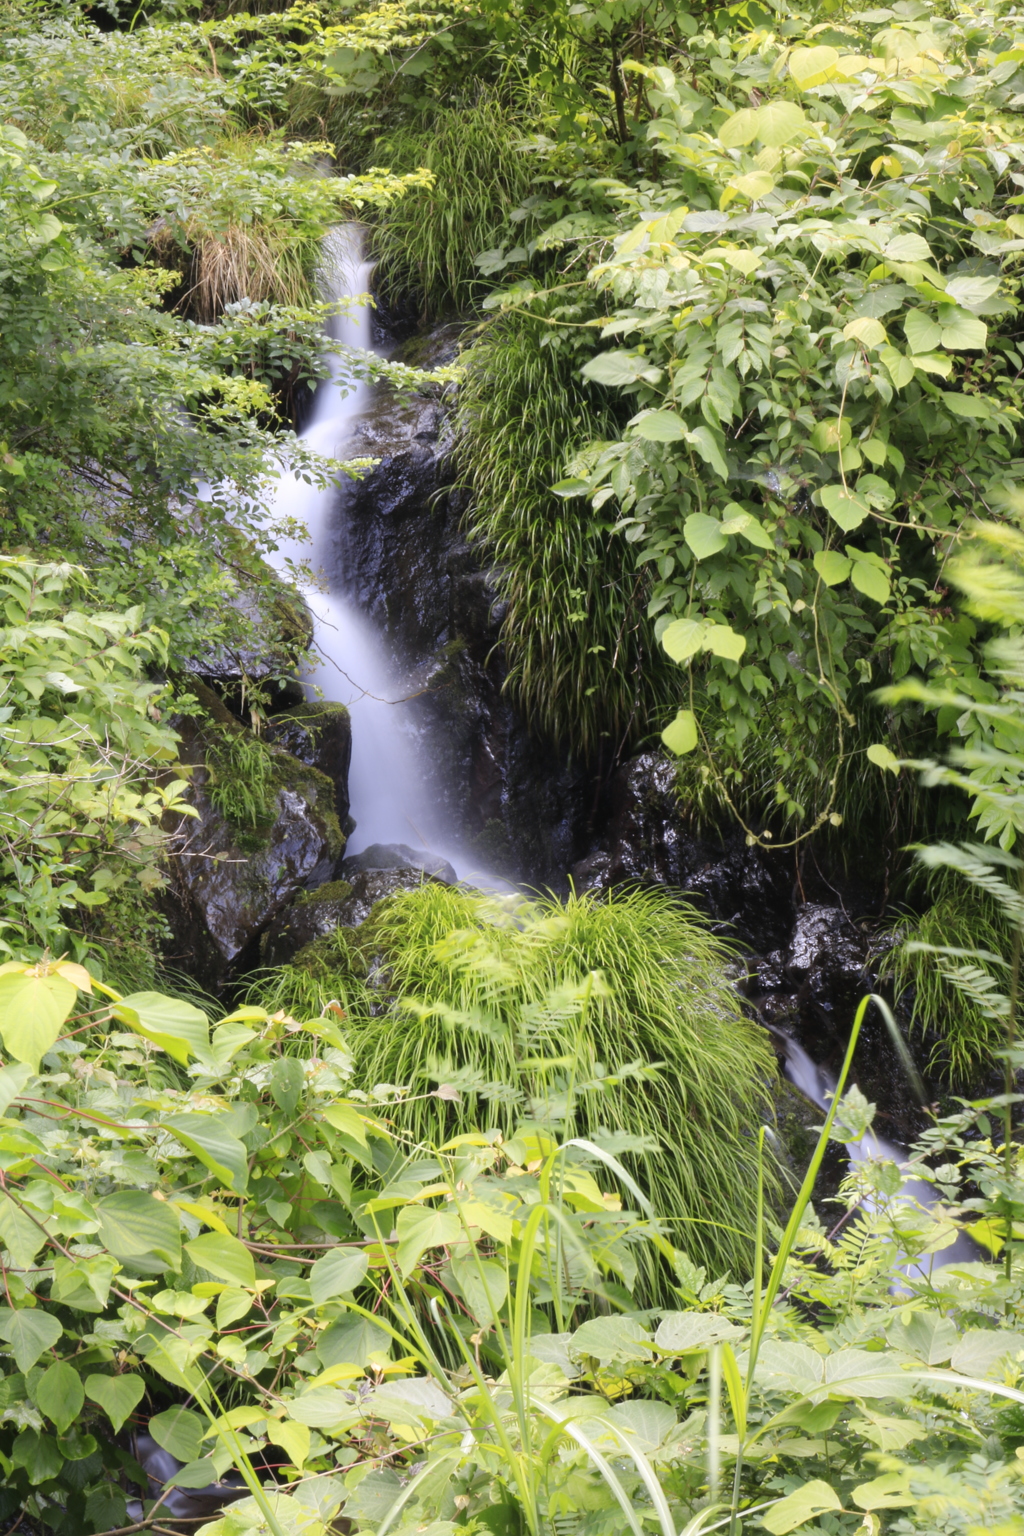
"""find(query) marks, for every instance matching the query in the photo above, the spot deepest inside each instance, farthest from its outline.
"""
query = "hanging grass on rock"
(609, 1018)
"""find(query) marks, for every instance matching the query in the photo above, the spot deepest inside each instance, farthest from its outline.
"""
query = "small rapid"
(817, 1085)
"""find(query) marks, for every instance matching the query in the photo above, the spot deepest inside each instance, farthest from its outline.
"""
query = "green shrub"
(582, 663)
(645, 1037)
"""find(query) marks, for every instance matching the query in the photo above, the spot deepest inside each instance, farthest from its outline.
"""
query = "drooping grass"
(241, 779)
(609, 1017)
(582, 661)
(959, 1032)
(426, 243)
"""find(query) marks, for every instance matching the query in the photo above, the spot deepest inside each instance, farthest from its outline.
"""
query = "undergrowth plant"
(580, 657)
(615, 1009)
(241, 779)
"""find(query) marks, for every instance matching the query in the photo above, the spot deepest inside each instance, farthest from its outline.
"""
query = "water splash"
(819, 1086)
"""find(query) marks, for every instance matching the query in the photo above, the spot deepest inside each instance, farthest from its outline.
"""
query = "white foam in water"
(389, 802)
(816, 1084)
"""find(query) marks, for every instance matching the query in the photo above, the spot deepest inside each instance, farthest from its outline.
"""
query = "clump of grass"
(426, 243)
(582, 661)
(958, 1031)
(242, 784)
(612, 1015)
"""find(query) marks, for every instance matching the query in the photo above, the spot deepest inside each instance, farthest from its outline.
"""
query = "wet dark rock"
(280, 628)
(228, 883)
(826, 950)
(398, 856)
(318, 734)
(339, 904)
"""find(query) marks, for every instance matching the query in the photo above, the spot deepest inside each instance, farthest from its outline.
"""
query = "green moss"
(334, 890)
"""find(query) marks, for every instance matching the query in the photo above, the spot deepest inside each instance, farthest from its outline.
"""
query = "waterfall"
(818, 1086)
(348, 664)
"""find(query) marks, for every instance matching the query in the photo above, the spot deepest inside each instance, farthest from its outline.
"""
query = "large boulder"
(398, 856)
(272, 628)
(230, 875)
(319, 734)
(339, 904)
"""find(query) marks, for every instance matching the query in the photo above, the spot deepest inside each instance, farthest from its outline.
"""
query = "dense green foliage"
(617, 1008)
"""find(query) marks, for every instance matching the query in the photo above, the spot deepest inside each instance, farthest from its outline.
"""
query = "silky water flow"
(348, 665)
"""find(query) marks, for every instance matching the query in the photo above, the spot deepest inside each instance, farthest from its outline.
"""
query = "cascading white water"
(816, 1084)
(348, 666)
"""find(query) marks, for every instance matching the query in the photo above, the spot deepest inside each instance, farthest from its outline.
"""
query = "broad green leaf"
(709, 448)
(175, 1026)
(928, 1336)
(703, 534)
(878, 493)
(971, 291)
(232, 1304)
(684, 1333)
(615, 368)
(140, 1231)
(739, 129)
(845, 507)
(863, 1373)
(972, 407)
(737, 521)
(225, 1257)
(179, 1431)
(754, 184)
(337, 1272)
(19, 1234)
(660, 427)
(681, 735)
(351, 1341)
(831, 435)
(325, 1408)
(908, 248)
(899, 367)
(645, 1425)
(981, 1351)
(59, 1394)
(723, 641)
(348, 1120)
(29, 1331)
(13, 1081)
(870, 333)
(118, 1396)
(683, 638)
(286, 1081)
(809, 67)
(797, 1508)
(832, 567)
(293, 1438)
(420, 1228)
(611, 1339)
(779, 122)
(879, 754)
(208, 1138)
(965, 334)
(195, 1474)
(484, 1285)
(871, 581)
(934, 362)
(890, 1491)
(923, 333)
(33, 1008)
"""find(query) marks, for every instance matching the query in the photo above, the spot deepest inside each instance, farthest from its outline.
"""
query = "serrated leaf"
(118, 1396)
(60, 1395)
(681, 735)
(779, 122)
(880, 755)
(844, 506)
(33, 1008)
(703, 534)
(683, 638)
(660, 427)
(337, 1272)
(226, 1257)
(832, 567)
